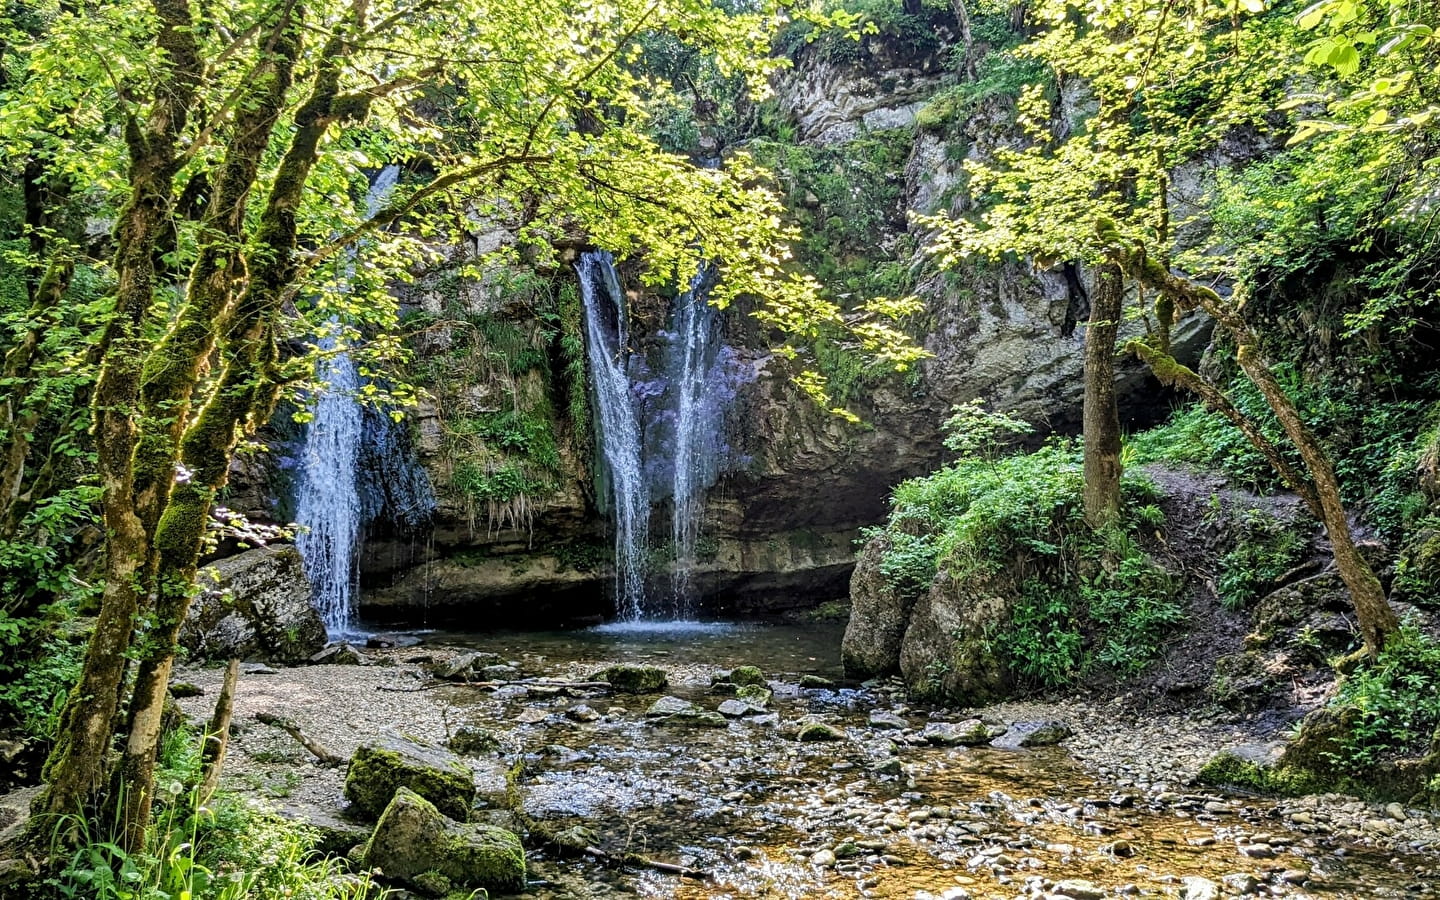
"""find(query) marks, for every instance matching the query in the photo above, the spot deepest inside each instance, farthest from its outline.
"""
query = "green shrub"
(1265, 549)
(1084, 600)
(223, 850)
(1398, 699)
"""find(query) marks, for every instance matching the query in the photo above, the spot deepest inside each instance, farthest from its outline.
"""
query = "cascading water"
(327, 505)
(660, 432)
(618, 427)
(333, 502)
(698, 396)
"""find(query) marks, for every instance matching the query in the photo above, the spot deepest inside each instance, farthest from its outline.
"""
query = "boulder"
(671, 706)
(674, 712)
(414, 841)
(466, 666)
(470, 740)
(254, 605)
(819, 731)
(970, 733)
(335, 832)
(1032, 734)
(633, 679)
(878, 618)
(884, 719)
(948, 653)
(338, 654)
(700, 718)
(816, 682)
(383, 766)
(746, 676)
(755, 694)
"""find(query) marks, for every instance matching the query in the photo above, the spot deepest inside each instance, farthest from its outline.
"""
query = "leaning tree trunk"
(1101, 416)
(1373, 613)
(208, 443)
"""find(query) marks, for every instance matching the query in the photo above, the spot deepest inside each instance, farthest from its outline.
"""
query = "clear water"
(748, 804)
(813, 648)
(624, 487)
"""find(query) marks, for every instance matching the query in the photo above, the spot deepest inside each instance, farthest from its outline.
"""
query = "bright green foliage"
(1398, 698)
(842, 196)
(1373, 441)
(1265, 549)
(974, 433)
(224, 850)
(1084, 599)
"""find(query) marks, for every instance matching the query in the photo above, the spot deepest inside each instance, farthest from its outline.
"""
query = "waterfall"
(698, 398)
(618, 427)
(328, 502)
(333, 502)
(660, 432)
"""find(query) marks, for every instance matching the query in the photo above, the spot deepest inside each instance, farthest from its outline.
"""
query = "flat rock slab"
(970, 733)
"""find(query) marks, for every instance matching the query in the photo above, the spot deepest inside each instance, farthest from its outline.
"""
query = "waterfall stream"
(698, 413)
(617, 427)
(660, 432)
(355, 469)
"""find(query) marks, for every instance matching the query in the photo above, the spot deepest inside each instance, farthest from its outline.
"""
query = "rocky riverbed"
(881, 799)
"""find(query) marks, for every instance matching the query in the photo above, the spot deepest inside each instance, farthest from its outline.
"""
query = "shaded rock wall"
(781, 522)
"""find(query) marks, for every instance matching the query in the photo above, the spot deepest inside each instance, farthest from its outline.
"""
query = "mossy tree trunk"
(177, 513)
(78, 765)
(1374, 615)
(1101, 415)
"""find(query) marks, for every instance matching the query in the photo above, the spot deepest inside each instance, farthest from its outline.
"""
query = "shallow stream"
(877, 814)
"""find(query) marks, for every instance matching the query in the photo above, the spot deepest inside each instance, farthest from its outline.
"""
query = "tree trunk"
(208, 443)
(1101, 416)
(967, 37)
(1374, 615)
(78, 764)
(217, 736)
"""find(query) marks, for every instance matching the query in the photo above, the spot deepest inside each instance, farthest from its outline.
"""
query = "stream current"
(879, 813)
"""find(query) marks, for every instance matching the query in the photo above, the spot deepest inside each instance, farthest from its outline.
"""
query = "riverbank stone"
(384, 765)
(969, 733)
(471, 741)
(746, 675)
(624, 679)
(819, 731)
(414, 841)
(1032, 734)
(755, 694)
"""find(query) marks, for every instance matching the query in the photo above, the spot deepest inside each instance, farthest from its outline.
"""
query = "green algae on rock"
(625, 679)
(381, 767)
(413, 842)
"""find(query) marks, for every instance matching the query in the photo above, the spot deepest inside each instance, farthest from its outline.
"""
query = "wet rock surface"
(1112, 811)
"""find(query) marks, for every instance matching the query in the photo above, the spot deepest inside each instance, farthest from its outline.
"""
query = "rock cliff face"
(780, 524)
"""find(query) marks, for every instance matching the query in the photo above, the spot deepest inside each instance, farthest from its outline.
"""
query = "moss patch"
(379, 769)
(633, 679)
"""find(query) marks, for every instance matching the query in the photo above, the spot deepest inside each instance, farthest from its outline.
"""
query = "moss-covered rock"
(381, 767)
(625, 679)
(1257, 767)
(755, 694)
(414, 843)
(469, 741)
(747, 675)
(819, 731)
